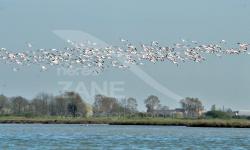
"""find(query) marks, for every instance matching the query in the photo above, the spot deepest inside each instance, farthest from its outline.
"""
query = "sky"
(221, 81)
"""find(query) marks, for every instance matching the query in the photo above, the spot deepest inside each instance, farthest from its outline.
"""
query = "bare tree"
(19, 105)
(152, 103)
(52, 107)
(104, 105)
(192, 106)
(4, 104)
(213, 107)
(129, 105)
(61, 105)
(132, 104)
(40, 104)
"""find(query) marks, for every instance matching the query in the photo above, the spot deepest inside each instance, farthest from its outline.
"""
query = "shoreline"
(217, 123)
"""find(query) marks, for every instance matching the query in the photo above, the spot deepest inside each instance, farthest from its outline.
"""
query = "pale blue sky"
(217, 81)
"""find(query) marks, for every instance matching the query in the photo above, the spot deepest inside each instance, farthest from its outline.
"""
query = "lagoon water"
(36, 136)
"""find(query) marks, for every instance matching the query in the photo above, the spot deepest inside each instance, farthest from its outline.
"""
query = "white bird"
(183, 40)
(14, 69)
(97, 59)
(195, 42)
(29, 45)
(123, 40)
(43, 68)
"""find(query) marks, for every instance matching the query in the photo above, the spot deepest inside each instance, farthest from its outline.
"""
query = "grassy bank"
(230, 123)
(53, 120)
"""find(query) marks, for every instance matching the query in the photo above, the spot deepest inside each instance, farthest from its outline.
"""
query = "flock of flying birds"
(86, 55)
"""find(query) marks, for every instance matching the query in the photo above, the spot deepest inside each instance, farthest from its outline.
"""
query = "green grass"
(236, 123)
(239, 123)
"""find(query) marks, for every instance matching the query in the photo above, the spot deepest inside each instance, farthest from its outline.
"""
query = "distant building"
(236, 113)
(243, 113)
(178, 112)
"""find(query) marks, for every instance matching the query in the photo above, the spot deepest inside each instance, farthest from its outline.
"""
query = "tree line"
(67, 104)
(71, 104)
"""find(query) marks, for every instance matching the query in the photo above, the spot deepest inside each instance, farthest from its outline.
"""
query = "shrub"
(218, 114)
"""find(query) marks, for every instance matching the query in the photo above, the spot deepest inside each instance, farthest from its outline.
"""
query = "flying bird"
(87, 55)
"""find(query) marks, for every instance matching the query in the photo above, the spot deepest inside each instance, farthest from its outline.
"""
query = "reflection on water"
(14, 136)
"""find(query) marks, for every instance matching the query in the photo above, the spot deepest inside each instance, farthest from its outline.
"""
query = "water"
(35, 136)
